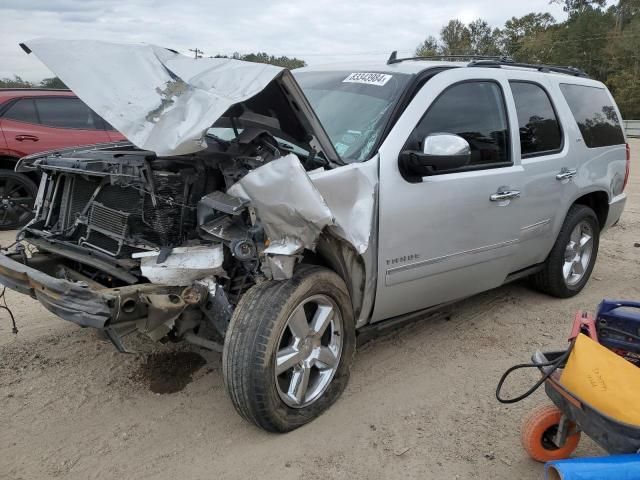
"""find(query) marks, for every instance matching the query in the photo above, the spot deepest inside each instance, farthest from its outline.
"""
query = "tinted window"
(539, 128)
(475, 111)
(67, 113)
(595, 114)
(22, 110)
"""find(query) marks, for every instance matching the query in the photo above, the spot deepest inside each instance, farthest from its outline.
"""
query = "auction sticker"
(379, 79)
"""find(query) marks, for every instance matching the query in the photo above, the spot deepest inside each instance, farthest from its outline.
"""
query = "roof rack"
(495, 61)
(393, 58)
(567, 70)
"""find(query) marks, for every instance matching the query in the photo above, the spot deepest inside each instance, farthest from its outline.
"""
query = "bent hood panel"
(159, 99)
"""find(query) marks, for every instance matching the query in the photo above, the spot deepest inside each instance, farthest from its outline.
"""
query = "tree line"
(603, 41)
(18, 82)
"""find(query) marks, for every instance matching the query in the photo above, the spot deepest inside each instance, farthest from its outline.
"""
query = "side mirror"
(441, 152)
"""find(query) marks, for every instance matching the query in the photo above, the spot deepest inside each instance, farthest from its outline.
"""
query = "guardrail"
(632, 128)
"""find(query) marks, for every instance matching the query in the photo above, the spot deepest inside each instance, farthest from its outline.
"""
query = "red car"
(37, 120)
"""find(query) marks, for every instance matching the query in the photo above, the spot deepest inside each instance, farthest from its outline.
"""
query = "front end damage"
(126, 240)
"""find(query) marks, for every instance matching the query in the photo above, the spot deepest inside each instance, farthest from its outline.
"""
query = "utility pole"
(196, 52)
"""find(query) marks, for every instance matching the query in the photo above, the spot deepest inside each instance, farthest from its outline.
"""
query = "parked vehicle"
(36, 120)
(318, 208)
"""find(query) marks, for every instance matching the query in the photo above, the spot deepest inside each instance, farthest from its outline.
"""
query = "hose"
(14, 330)
(555, 364)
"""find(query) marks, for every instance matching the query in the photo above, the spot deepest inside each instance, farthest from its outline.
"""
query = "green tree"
(484, 40)
(623, 52)
(582, 41)
(53, 82)
(576, 7)
(428, 48)
(626, 11)
(455, 38)
(517, 30)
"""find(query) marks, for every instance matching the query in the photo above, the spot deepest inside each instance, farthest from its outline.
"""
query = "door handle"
(22, 138)
(502, 195)
(566, 174)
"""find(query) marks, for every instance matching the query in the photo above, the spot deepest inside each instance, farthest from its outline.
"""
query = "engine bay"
(122, 206)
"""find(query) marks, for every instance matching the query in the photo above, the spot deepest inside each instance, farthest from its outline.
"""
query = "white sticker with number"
(378, 79)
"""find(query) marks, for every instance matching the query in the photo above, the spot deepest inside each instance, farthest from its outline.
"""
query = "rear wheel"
(570, 263)
(289, 348)
(17, 196)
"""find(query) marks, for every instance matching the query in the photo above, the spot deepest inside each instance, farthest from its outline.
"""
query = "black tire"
(17, 196)
(253, 338)
(550, 279)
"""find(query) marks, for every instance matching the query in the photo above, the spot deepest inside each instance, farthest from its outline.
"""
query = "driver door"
(449, 235)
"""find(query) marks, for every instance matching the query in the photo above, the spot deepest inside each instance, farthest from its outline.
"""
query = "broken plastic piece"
(183, 266)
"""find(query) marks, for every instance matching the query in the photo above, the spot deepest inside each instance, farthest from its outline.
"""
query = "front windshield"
(353, 107)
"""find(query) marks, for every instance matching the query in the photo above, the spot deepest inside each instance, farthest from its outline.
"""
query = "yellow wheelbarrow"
(593, 390)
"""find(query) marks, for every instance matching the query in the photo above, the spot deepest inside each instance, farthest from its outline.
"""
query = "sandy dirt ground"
(420, 403)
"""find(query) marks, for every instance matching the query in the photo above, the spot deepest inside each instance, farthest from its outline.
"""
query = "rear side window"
(539, 128)
(476, 112)
(595, 114)
(23, 110)
(67, 113)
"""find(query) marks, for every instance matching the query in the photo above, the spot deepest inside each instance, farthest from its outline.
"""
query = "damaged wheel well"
(340, 256)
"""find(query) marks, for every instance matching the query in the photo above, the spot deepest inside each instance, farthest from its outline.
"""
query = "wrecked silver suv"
(249, 218)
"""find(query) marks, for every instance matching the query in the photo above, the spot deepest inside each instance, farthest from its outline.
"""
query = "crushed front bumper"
(74, 302)
(152, 309)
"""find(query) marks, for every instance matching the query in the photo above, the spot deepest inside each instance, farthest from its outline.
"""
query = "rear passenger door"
(549, 166)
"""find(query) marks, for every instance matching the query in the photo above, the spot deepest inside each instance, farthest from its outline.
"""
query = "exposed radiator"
(108, 222)
(119, 218)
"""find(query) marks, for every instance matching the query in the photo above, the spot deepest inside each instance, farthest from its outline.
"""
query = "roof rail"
(567, 70)
(393, 58)
(493, 61)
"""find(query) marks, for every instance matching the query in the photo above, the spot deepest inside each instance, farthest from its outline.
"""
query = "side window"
(539, 128)
(476, 112)
(66, 113)
(595, 114)
(23, 110)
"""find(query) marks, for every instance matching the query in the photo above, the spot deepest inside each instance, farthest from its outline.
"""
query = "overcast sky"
(320, 31)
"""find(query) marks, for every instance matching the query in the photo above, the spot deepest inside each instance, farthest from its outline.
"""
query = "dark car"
(39, 120)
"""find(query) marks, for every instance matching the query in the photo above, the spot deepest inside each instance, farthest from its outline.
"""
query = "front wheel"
(289, 348)
(570, 263)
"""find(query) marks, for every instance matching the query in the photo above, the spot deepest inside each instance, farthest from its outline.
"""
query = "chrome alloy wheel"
(578, 253)
(309, 351)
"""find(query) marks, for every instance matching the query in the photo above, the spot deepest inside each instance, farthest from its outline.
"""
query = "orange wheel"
(538, 429)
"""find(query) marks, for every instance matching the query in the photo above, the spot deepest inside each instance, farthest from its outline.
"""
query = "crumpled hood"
(159, 99)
